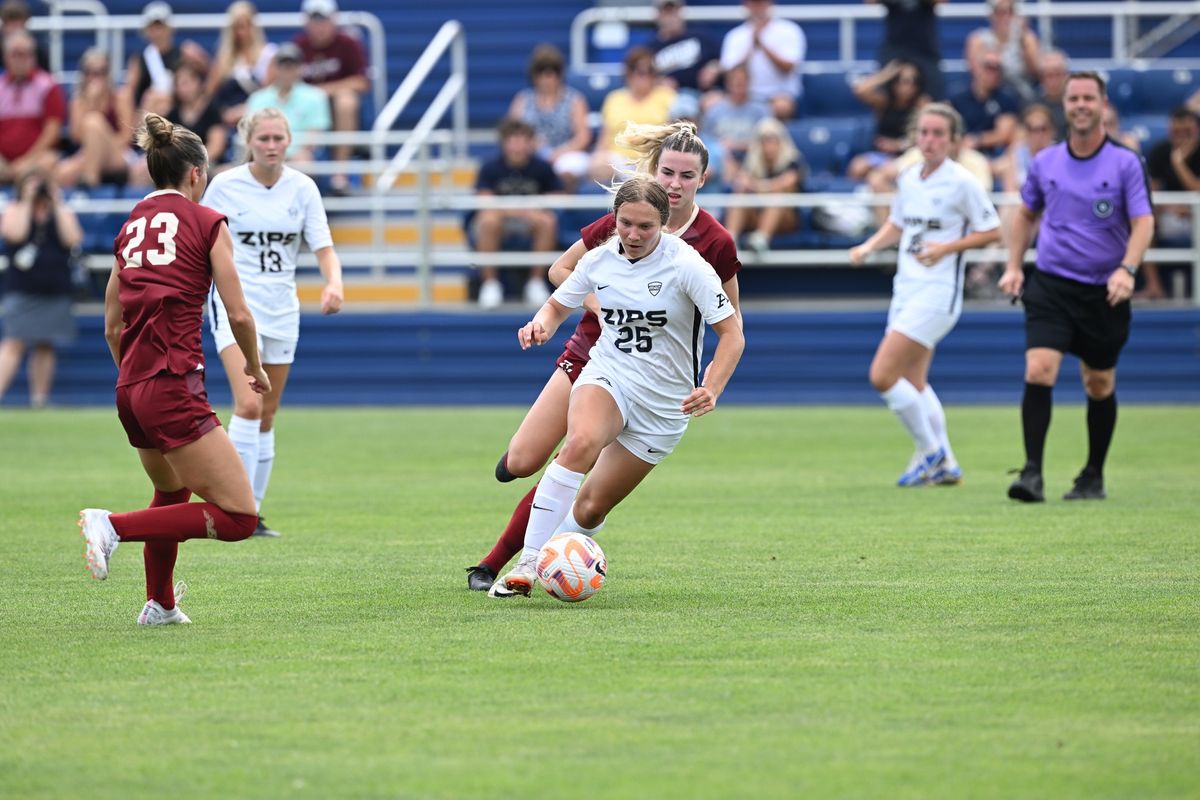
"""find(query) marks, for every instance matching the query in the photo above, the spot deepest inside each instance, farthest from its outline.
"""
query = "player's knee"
(581, 448)
(589, 513)
(520, 463)
(1040, 373)
(881, 378)
(241, 526)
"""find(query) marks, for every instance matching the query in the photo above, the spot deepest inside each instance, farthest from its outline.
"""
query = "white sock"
(937, 419)
(262, 470)
(551, 504)
(905, 402)
(244, 435)
(570, 524)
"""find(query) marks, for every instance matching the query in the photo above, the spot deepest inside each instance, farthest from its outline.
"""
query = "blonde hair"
(649, 142)
(171, 150)
(756, 162)
(643, 188)
(98, 54)
(249, 122)
(227, 51)
(946, 112)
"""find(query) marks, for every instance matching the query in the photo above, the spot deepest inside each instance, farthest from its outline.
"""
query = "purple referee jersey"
(1088, 205)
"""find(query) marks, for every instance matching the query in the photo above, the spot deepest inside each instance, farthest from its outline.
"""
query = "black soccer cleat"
(1089, 485)
(1028, 487)
(480, 578)
(262, 530)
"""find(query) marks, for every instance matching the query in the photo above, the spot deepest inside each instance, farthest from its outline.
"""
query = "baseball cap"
(289, 51)
(319, 8)
(157, 11)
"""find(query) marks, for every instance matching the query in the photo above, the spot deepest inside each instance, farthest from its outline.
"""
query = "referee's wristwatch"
(1132, 269)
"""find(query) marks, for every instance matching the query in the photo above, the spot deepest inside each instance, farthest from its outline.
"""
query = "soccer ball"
(571, 567)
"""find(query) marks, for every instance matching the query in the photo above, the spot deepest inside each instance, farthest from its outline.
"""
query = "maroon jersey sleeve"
(713, 242)
(162, 252)
(599, 231)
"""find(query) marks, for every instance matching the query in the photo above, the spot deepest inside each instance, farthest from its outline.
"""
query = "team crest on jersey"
(655, 287)
(1103, 209)
(294, 212)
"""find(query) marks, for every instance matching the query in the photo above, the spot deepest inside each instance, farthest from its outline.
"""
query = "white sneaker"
(518, 582)
(491, 294)
(155, 614)
(101, 540)
(536, 292)
(758, 242)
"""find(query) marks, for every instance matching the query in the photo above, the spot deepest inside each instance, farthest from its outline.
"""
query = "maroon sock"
(181, 522)
(513, 538)
(159, 557)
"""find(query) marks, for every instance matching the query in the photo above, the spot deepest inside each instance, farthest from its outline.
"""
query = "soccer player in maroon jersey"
(168, 254)
(678, 160)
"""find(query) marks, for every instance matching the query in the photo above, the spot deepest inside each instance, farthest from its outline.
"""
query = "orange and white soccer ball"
(571, 567)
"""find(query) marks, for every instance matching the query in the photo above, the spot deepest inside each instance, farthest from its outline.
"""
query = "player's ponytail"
(649, 142)
(171, 150)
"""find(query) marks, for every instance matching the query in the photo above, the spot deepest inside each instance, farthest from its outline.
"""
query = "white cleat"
(518, 582)
(155, 614)
(101, 540)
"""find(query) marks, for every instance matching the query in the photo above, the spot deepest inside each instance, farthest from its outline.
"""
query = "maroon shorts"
(571, 364)
(165, 411)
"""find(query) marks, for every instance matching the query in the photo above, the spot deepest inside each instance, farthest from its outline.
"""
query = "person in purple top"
(1093, 195)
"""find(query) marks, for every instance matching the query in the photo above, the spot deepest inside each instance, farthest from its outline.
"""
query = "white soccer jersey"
(653, 311)
(267, 225)
(940, 208)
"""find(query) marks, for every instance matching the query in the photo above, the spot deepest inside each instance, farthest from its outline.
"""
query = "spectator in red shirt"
(336, 64)
(32, 110)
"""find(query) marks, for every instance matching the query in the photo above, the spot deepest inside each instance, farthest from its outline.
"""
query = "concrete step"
(447, 289)
(358, 232)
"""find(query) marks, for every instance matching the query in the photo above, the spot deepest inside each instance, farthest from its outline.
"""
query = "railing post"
(1196, 250)
(424, 224)
(458, 64)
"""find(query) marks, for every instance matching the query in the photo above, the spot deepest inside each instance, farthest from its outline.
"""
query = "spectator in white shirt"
(772, 50)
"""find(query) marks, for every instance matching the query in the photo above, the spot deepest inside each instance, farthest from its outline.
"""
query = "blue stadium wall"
(472, 358)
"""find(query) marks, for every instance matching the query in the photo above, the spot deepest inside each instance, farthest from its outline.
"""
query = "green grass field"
(779, 621)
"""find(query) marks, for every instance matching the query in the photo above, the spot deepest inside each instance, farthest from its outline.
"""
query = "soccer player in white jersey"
(631, 404)
(270, 207)
(938, 213)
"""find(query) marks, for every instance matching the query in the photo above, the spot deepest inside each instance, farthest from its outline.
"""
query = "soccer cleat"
(262, 530)
(155, 614)
(101, 540)
(1028, 487)
(922, 468)
(1089, 485)
(948, 474)
(518, 582)
(480, 578)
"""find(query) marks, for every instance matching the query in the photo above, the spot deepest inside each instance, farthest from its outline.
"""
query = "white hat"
(319, 8)
(157, 11)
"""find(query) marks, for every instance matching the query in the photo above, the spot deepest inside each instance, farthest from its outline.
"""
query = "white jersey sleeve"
(702, 285)
(578, 284)
(979, 209)
(316, 221)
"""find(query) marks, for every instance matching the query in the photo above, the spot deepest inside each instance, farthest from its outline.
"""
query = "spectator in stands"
(150, 75)
(1035, 133)
(773, 165)
(40, 231)
(1112, 126)
(1009, 35)
(306, 107)
(516, 171)
(1053, 69)
(335, 63)
(32, 111)
(194, 110)
(99, 125)
(641, 100)
(894, 93)
(243, 62)
(772, 50)
(687, 60)
(910, 33)
(558, 115)
(988, 109)
(14, 17)
(1174, 166)
(728, 125)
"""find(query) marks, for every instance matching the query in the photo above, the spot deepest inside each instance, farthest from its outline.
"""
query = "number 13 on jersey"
(166, 225)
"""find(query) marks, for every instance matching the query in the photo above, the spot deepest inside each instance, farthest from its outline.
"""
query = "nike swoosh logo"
(242, 212)
(652, 450)
(605, 286)
(540, 508)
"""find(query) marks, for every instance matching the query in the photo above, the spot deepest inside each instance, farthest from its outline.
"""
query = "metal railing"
(849, 16)
(92, 17)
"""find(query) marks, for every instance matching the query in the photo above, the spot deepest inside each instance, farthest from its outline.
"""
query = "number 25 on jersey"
(164, 225)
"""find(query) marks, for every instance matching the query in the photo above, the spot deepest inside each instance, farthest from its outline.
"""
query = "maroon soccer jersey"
(707, 236)
(165, 276)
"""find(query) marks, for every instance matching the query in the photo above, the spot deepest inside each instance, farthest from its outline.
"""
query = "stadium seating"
(828, 142)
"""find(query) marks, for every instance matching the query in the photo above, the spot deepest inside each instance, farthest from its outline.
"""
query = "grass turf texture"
(779, 621)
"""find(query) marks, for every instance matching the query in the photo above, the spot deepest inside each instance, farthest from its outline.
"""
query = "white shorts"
(649, 436)
(925, 318)
(271, 349)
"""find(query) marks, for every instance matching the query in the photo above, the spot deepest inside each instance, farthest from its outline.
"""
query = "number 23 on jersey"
(163, 227)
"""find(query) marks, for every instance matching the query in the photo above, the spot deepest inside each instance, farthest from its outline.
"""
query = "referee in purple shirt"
(1093, 195)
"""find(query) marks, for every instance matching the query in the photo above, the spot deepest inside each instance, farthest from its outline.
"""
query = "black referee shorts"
(1073, 317)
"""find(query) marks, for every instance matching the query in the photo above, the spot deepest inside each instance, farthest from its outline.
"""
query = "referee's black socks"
(1101, 422)
(1035, 421)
